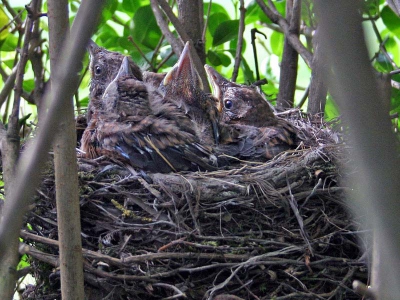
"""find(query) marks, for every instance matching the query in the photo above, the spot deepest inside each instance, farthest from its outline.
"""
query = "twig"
(12, 12)
(293, 205)
(292, 38)
(138, 48)
(304, 97)
(33, 158)
(239, 44)
(179, 293)
(253, 43)
(8, 85)
(177, 46)
(184, 37)
(203, 37)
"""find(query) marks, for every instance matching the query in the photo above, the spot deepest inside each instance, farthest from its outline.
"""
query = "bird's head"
(104, 66)
(237, 103)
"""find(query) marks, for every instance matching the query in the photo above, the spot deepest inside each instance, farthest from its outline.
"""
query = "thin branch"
(203, 37)
(35, 155)
(12, 12)
(292, 38)
(8, 85)
(239, 44)
(138, 49)
(184, 37)
(177, 46)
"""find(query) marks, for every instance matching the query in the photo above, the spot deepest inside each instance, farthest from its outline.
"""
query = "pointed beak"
(184, 70)
(92, 47)
(184, 63)
(125, 68)
(216, 81)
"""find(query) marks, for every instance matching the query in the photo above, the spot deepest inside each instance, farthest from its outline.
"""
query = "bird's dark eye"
(228, 104)
(97, 70)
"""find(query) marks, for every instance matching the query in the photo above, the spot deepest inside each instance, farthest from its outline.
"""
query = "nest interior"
(279, 229)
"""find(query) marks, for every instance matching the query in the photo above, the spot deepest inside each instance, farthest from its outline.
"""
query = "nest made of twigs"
(278, 229)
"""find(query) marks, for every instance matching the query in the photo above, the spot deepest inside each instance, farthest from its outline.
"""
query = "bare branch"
(292, 38)
(239, 44)
(33, 158)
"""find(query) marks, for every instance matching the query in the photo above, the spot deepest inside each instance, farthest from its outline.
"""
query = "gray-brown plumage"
(183, 85)
(248, 126)
(138, 127)
(104, 66)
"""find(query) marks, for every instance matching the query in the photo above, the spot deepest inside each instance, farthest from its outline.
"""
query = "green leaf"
(215, 8)
(225, 32)
(131, 6)
(10, 43)
(108, 11)
(215, 20)
(144, 27)
(29, 85)
(276, 41)
(391, 20)
(233, 45)
(3, 22)
(281, 7)
(331, 109)
(253, 12)
(23, 263)
(84, 101)
(225, 59)
(247, 72)
(217, 58)
(213, 58)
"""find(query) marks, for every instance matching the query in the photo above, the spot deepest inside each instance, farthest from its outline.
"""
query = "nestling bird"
(104, 66)
(248, 126)
(138, 127)
(184, 87)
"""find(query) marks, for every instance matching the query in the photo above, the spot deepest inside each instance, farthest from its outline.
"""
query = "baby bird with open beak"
(139, 128)
(184, 87)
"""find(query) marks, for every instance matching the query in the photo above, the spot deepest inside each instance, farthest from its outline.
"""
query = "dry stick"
(33, 158)
(292, 38)
(253, 43)
(184, 38)
(138, 49)
(35, 56)
(239, 44)
(155, 53)
(177, 46)
(11, 21)
(203, 37)
(304, 97)
(10, 152)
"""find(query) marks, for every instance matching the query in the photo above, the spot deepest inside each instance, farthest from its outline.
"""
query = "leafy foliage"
(134, 18)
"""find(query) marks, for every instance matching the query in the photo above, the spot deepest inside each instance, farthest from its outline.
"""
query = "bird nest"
(257, 230)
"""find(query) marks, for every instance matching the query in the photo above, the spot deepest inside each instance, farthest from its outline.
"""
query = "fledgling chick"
(139, 128)
(184, 87)
(104, 66)
(248, 126)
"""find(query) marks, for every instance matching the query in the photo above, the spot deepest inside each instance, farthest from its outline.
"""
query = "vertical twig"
(34, 156)
(253, 43)
(239, 45)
